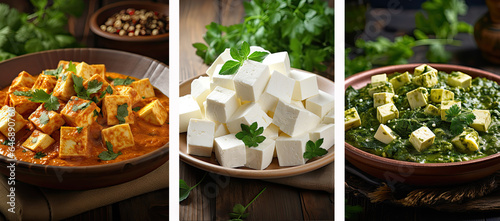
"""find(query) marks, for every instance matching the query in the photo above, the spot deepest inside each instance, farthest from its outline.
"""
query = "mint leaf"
(258, 56)
(230, 67)
(109, 154)
(235, 54)
(250, 135)
(245, 49)
(314, 149)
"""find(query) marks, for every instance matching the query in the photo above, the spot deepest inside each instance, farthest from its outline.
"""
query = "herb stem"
(255, 198)
(199, 182)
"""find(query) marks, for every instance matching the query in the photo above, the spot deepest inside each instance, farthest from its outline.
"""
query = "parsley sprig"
(459, 119)
(109, 154)
(241, 55)
(238, 213)
(250, 135)
(51, 103)
(313, 149)
(185, 189)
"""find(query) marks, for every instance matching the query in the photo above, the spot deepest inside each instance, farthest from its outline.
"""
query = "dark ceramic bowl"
(151, 46)
(87, 177)
(429, 174)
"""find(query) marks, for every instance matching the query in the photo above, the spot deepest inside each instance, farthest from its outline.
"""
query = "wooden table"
(216, 196)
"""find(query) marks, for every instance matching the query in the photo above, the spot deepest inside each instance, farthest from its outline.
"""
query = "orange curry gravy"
(147, 138)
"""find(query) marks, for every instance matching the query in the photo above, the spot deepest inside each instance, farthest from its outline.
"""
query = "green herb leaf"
(120, 81)
(55, 72)
(39, 155)
(185, 189)
(230, 67)
(72, 68)
(135, 109)
(79, 129)
(96, 114)
(5, 142)
(93, 87)
(314, 149)
(109, 154)
(75, 108)
(258, 56)
(23, 93)
(51, 103)
(239, 211)
(250, 135)
(459, 119)
(44, 118)
(108, 90)
(122, 112)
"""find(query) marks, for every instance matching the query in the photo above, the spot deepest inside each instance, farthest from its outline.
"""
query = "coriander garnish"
(185, 189)
(314, 150)
(231, 66)
(250, 135)
(459, 120)
(109, 154)
(51, 103)
(39, 155)
(121, 113)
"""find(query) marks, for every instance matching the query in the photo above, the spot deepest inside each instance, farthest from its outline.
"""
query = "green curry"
(482, 94)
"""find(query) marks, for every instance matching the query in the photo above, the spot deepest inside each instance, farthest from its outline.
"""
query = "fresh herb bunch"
(302, 28)
(459, 119)
(313, 149)
(251, 135)
(238, 213)
(436, 26)
(240, 56)
(21, 33)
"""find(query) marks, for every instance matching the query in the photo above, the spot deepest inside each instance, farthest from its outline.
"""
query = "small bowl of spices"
(138, 27)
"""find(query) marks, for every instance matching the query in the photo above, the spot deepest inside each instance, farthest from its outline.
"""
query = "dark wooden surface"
(394, 24)
(216, 195)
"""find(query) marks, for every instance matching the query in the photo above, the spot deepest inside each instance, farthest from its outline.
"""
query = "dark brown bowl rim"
(95, 27)
(395, 68)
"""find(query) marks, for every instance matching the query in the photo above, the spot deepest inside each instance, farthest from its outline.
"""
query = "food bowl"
(152, 46)
(86, 177)
(428, 174)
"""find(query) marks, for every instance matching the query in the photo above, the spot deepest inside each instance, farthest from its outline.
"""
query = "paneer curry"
(81, 115)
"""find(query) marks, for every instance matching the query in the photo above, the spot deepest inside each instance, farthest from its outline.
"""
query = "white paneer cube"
(223, 57)
(200, 137)
(220, 130)
(278, 87)
(384, 134)
(320, 104)
(38, 141)
(446, 105)
(382, 98)
(278, 62)
(306, 85)
(260, 157)
(422, 138)
(378, 79)
(221, 105)
(225, 81)
(482, 121)
(459, 79)
(251, 80)
(268, 102)
(290, 150)
(329, 118)
(120, 136)
(271, 132)
(351, 119)
(188, 108)
(298, 104)
(325, 131)
(418, 97)
(387, 112)
(293, 120)
(248, 114)
(230, 151)
(200, 88)
(7, 115)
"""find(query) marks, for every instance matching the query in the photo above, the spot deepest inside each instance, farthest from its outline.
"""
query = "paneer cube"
(466, 141)
(387, 112)
(79, 112)
(278, 62)
(64, 88)
(329, 118)
(9, 115)
(422, 138)
(446, 105)
(251, 80)
(144, 87)
(424, 68)
(230, 151)
(38, 141)
(379, 79)
(200, 89)
(459, 79)
(45, 82)
(221, 104)
(351, 119)
(260, 157)
(188, 108)
(248, 114)
(418, 97)
(320, 104)
(22, 103)
(154, 113)
(46, 121)
(120, 136)
(400, 80)
(200, 137)
(23, 79)
(279, 87)
(325, 131)
(482, 121)
(306, 85)
(293, 120)
(127, 91)
(432, 110)
(382, 98)
(74, 143)
(384, 134)
(428, 79)
(93, 82)
(84, 70)
(99, 69)
(66, 63)
(111, 106)
(290, 150)
(220, 130)
(271, 132)
(223, 57)
(381, 87)
(225, 81)
(438, 95)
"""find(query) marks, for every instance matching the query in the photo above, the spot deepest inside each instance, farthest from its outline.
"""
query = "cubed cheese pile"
(285, 102)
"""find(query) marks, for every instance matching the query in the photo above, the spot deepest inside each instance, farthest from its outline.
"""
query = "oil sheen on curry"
(81, 115)
(427, 116)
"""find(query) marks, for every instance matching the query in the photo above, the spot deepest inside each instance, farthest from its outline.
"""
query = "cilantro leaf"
(239, 211)
(51, 103)
(135, 109)
(39, 155)
(23, 93)
(96, 114)
(121, 81)
(55, 72)
(250, 135)
(78, 86)
(459, 119)
(122, 112)
(44, 118)
(185, 189)
(93, 87)
(79, 129)
(72, 68)
(108, 90)
(109, 154)
(314, 150)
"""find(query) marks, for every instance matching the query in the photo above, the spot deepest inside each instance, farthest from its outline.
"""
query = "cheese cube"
(320, 104)
(230, 151)
(200, 88)
(351, 119)
(387, 112)
(467, 141)
(251, 80)
(299, 104)
(422, 138)
(144, 87)
(127, 91)
(110, 110)
(380, 99)
(200, 137)
(22, 103)
(418, 97)
(66, 63)
(225, 81)
(23, 79)
(38, 141)
(400, 80)
(220, 130)
(248, 114)
(260, 157)
(381, 87)
(278, 62)
(98, 79)
(64, 88)
(55, 120)
(188, 108)
(9, 115)
(45, 82)
(84, 71)
(271, 132)
(459, 79)
(379, 79)
(329, 118)
(446, 105)
(432, 110)
(120, 136)
(290, 150)
(306, 85)
(79, 112)
(428, 79)
(154, 113)
(325, 131)
(74, 144)
(293, 120)
(99, 69)
(221, 104)
(384, 134)
(279, 87)
(258, 48)
(438, 95)
(482, 121)
(223, 57)
(424, 68)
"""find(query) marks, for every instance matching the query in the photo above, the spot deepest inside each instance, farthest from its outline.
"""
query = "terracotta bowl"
(86, 177)
(151, 46)
(416, 173)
